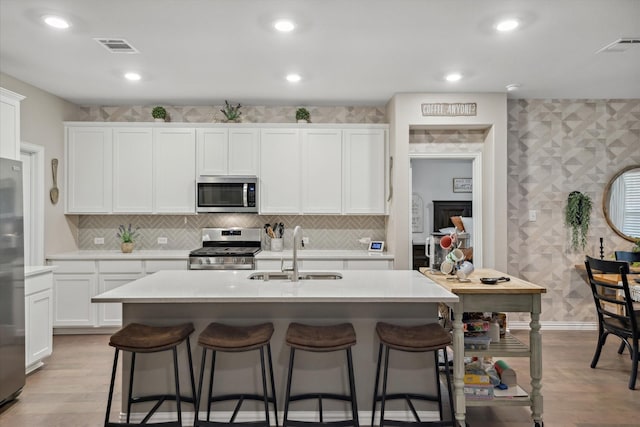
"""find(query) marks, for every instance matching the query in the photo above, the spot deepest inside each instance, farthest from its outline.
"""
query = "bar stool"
(234, 339)
(321, 339)
(137, 338)
(423, 338)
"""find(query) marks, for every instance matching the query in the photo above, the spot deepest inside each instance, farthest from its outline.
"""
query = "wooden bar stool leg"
(273, 384)
(111, 384)
(130, 400)
(288, 395)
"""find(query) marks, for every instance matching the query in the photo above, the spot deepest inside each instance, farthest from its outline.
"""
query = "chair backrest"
(627, 256)
(607, 294)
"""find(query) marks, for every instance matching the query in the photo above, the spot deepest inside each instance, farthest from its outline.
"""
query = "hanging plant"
(577, 216)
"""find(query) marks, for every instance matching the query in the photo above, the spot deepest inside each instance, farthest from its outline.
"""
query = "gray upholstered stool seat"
(421, 338)
(138, 338)
(219, 337)
(321, 339)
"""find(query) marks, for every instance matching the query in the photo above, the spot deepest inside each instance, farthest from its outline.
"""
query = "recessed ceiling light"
(56, 22)
(132, 76)
(513, 86)
(453, 77)
(507, 25)
(293, 78)
(284, 25)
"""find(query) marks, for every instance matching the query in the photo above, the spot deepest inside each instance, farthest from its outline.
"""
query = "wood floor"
(71, 389)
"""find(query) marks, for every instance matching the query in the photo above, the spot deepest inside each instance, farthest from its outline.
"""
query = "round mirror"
(621, 203)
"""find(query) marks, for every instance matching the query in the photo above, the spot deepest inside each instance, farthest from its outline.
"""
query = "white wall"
(404, 111)
(433, 180)
(41, 122)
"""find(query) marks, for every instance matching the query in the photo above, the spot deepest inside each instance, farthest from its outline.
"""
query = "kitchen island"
(360, 297)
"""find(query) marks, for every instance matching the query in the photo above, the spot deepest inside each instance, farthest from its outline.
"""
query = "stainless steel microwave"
(227, 194)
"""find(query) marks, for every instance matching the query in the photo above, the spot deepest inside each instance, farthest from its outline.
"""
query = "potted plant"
(126, 236)
(159, 114)
(303, 115)
(231, 113)
(577, 216)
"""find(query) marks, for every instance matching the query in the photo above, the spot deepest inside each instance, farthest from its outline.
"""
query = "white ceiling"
(348, 52)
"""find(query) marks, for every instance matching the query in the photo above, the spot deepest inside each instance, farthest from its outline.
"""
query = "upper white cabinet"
(322, 171)
(280, 187)
(174, 170)
(10, 124)
(88, 166)
(364, 171)
(227, 151)
(132, 170)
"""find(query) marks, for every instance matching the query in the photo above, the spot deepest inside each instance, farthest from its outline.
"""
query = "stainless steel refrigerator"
(12, 353)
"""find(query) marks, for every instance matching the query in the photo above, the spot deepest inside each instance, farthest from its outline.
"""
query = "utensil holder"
(277, 244)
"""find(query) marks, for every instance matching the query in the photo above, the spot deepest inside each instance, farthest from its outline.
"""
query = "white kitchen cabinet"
(321, 171)
(38, 318)
(280, 168)
(364, 171)
(88, 170)
(227, 151)
(369, 264)
(110, 314)
(153, 265)
(132, 170)
(10, 124)
(174, 170)
(72, 300)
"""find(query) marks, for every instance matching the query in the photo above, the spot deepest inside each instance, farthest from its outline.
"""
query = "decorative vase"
(127, 247)
(302, 121)
(158, 120)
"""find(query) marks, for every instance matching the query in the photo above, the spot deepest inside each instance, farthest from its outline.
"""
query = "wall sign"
(446, 109)
(462, 185)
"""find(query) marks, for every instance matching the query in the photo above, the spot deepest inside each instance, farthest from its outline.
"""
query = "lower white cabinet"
(38, 319)
(75, 282)
(327, 264)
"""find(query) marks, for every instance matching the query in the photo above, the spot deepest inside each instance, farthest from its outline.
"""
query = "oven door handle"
(245, 195)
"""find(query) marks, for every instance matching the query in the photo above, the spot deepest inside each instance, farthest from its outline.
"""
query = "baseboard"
(108, 330)
(555, 326)
(308, 416)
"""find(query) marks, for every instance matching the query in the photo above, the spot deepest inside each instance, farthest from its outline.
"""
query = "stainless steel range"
(226, 249)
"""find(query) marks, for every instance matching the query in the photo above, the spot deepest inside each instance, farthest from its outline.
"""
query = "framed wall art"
(462, 185)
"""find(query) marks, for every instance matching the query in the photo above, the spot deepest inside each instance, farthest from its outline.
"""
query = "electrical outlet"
(533, 215)
(162, 240)
(98, 240)
(305, 240)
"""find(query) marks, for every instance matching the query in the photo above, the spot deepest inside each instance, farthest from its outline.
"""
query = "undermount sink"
(276, 275)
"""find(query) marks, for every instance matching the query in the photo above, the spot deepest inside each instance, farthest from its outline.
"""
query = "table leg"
(458, 366)
(535, 344)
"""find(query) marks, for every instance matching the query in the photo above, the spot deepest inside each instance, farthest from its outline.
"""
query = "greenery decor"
(127, 234)
(303, 114)
(159, 113)
(232, 113)
(636, 248)
(577, 216)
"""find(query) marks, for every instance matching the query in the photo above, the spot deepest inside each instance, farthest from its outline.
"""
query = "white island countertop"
(206, 286)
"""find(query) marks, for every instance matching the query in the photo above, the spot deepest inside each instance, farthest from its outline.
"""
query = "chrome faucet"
(297, 239)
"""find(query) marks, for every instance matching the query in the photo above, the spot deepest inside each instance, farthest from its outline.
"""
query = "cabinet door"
(212, 151)
(364, 171)
(322, 171)
(10, 128)
(280, 171)
(132, 170)
(72, 304)
(88, 154)
(174, 154)
(39, 328)
(243, 151)
(110, 314)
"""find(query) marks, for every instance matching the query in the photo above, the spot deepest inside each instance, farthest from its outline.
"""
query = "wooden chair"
(610, 321)
(627, 256)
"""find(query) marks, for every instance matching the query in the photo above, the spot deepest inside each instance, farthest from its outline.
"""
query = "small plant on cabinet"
(303, 115)
(159, 113)
(127, 236)
(231, 113)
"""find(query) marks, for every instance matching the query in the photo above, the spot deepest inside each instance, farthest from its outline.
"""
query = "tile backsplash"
(184, 232)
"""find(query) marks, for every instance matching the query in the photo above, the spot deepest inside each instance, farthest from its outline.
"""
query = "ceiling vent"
(621, 45)
(117, 45)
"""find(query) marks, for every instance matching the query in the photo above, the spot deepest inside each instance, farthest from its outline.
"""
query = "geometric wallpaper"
(555, 147)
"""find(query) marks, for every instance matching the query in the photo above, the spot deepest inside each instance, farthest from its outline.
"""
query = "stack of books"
(477, 386)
